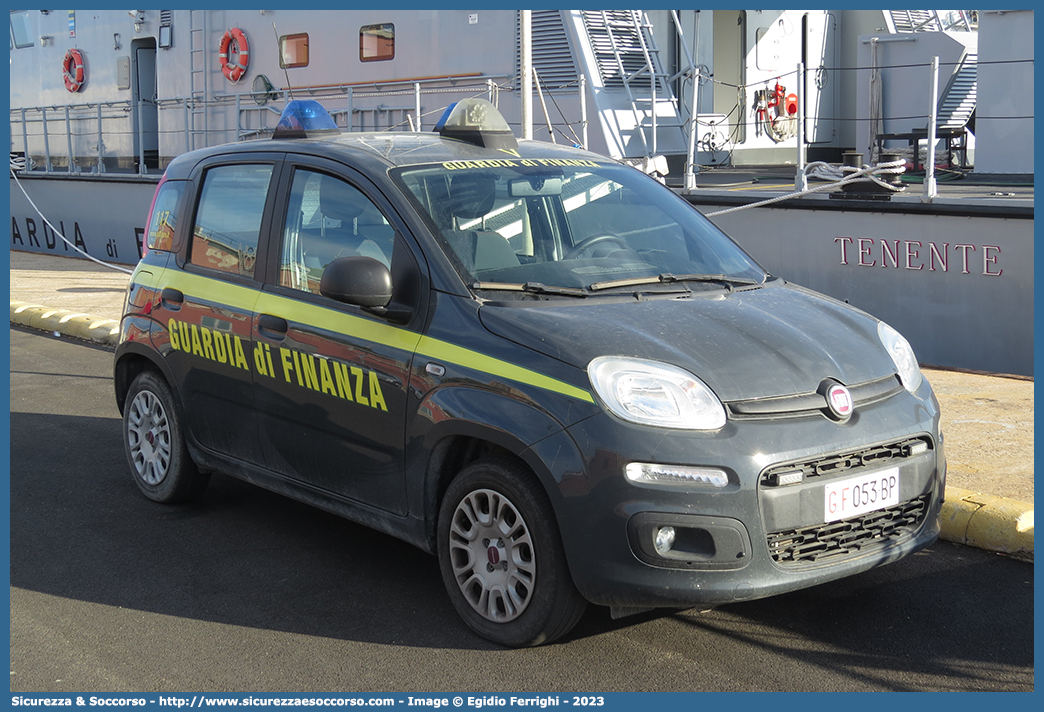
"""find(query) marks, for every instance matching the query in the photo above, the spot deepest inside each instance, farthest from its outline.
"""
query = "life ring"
(234, 41)
(73, 71)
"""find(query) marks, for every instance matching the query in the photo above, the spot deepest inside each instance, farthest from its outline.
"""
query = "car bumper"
(749, 539)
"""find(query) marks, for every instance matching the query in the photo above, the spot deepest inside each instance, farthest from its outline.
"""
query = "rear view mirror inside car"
(537, 185)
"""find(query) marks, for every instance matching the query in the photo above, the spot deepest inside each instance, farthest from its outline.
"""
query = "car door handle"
(272, 327)
(172, 299)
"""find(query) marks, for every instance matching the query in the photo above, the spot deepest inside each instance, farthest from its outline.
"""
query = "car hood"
(771, 341)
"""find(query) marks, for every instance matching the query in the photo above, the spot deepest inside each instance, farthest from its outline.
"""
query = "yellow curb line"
(72, 315)
(988, 522)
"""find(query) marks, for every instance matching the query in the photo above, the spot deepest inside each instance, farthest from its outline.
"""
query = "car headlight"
(654, 393)
(902, 356)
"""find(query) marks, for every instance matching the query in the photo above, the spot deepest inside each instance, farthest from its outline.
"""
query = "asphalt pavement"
(987, 418)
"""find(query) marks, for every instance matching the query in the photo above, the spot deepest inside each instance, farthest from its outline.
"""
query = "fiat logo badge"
(839, 400)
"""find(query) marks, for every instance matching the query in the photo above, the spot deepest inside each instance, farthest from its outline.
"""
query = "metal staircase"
(955, 109)
(626, 56)
(958, 101)
(903, 21)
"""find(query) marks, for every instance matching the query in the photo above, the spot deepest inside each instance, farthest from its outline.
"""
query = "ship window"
(20, 35)
(293, 51)
(228, 221)
(377, 42)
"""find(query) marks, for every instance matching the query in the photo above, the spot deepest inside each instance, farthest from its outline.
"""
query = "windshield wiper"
(668, 278)
(531, 288)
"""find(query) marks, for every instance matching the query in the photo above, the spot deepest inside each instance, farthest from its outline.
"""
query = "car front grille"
(877, 455)
(849, 537)
(805, 404)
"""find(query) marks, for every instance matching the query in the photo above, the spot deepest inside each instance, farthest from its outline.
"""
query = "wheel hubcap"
(148, 435)
(492, 556)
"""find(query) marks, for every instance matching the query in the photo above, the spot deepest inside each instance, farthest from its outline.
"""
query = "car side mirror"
(360, 281)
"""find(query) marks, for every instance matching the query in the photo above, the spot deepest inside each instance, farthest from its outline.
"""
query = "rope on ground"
(840, 176)
(58, 233)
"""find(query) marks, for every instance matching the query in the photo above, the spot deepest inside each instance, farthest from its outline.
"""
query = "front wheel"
(501, 556)
(155, 443)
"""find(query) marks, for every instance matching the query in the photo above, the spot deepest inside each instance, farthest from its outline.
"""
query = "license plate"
(856, 495)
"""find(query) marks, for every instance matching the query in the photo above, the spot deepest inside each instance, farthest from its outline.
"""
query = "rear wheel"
(501, 556)
(155, 443)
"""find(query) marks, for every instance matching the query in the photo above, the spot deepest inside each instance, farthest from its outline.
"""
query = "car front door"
(332, 385)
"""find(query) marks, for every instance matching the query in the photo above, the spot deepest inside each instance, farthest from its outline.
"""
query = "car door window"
(228, 221)
(164, 215)
(328, 218)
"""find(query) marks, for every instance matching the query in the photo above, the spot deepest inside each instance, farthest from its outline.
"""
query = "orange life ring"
(73, 71)
(234, 41)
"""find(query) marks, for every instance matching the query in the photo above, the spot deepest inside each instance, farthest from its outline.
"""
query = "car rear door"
(207, 302)
(333, 396)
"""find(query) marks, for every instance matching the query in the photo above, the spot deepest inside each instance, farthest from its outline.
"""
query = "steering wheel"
(594, 240)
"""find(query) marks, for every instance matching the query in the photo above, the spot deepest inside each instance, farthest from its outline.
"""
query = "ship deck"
(957, 193)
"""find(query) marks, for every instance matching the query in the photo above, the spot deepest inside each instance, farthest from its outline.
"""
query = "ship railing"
(373, 106)
(138, 138)
(82, 128)
(94, 139)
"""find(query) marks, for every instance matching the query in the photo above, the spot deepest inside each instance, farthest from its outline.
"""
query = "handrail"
(117, 122)
(443, 78)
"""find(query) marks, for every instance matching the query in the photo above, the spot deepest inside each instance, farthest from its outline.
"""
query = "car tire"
(155, 443)
(501, 556)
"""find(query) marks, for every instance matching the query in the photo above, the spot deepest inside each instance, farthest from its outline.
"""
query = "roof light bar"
(478, 122)
(302, 116)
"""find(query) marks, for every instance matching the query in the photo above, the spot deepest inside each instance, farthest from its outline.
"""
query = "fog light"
(664, 540)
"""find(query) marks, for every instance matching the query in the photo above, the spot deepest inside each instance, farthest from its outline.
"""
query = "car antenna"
(289, 87)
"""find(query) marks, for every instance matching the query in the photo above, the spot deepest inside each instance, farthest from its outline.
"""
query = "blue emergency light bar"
(302, 116)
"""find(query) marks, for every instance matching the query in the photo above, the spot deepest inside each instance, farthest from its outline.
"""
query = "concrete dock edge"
(66, 322)
(988, 522)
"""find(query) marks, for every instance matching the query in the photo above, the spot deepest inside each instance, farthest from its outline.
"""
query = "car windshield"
(531, 226)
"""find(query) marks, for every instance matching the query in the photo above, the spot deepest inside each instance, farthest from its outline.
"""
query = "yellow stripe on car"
(313, 315)
(444, 351)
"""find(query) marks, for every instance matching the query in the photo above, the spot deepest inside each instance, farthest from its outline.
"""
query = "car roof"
(381, 151)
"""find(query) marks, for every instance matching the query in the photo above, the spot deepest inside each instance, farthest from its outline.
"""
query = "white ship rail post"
(931, 190)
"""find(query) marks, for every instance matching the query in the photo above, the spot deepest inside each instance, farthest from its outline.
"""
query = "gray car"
(538, 364)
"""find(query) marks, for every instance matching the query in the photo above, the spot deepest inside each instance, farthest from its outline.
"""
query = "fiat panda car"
(536, 363)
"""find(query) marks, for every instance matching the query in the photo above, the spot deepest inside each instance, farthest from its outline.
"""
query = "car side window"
(328, 218)
(164, 216)
(228, 221)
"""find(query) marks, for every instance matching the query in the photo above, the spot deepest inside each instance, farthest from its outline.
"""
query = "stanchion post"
(800, 179)
(930, 188)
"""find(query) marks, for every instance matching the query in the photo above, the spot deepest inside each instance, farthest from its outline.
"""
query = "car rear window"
(164, 216)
